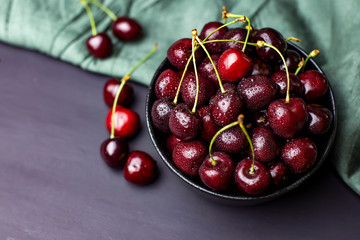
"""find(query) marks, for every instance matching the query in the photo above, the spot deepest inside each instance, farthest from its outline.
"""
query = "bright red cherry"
(233, 65)
(110, 90)
(100, 45)
(126, 122)
(126, 29)
(140, 168)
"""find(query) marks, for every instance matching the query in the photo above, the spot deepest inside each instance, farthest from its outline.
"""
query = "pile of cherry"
(238, 109)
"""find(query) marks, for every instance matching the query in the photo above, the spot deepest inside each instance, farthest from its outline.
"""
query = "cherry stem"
(91, 17)
(241, 124)
(194, 34)
(225, 25)
(249, 26)
(102, 7)
(123, 81)
(302, 64)
(292, 39)
(213, 161)
(216, 71)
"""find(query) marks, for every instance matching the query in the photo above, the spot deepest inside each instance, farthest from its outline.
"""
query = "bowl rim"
(244, 198)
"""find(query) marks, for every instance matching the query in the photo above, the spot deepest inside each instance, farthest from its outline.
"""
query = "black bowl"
(324, 144)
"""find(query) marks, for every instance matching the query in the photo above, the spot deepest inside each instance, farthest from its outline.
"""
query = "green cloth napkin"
(59, 28)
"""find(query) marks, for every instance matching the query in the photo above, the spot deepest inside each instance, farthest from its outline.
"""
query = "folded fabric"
(60, 29)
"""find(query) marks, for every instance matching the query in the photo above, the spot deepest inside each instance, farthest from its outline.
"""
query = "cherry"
(299, 154)
(206, 69)
(287, 119)
(225, 107)
(179, 53)
(209, 126)
(189, 155)
(140, 168)
(260, 68)
(320, 119)
(160, 114)
(114, 152)
(266, 145)
(273, 37)
(217, 174)
(171, 142)
(292, 59)
(126, 122)
(237, 34)
(184, 124)
(99, 45)
(214, 47)
(257, 91)
(110, 90)
(296, 87)
(279, 174)
(233, 65)
(315, 84)
(126, 29)
(253, 183)
(166, 84)
(232, 141)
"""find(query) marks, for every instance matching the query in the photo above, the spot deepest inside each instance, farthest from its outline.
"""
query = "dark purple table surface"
(54, 185)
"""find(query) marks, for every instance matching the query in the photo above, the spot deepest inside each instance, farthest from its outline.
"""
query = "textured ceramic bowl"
(324, 144)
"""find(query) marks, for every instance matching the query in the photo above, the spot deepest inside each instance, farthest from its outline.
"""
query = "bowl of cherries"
(241, 114)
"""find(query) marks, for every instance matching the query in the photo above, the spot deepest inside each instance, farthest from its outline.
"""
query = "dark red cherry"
(261, 118)
(171, 142)
(279, 174)
(189, 155)
(166, 84)
(179, 52)
(188, 89)
(237, 34)
(100, 45)
(209, 126)
(320, 119)
(266, 145)
(260, 68)
(233, 65)
(207, 69)
(160, 114)
(183, 124)
(140, 168)
(209, 28)
(273, 37)
(225, 107)
(257, 91)
(252, 183)
(299, 154)
(292, 59)
(114, 152)
(315, 84)
(232, 141)
(296, 87)
(218, 177)
(110, 90)
(127, 122)
(287, 119)
(126, 29)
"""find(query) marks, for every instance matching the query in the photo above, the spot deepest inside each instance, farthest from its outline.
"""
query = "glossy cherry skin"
(167, 84)
(257, 91)
(183, 124)
(100, 45)
(189, 155)
(292, 59)
(126, 29)
(299, 154)
(206, 68)
(225, 107)
(114, 152)
(266, 145)
(179, 52)
(110, 90)
(279, 174)
(189, 89)
(171, 142)
(232, 141)
(219, 34)
(127, 122)
(260, 68)
(218, 177)
(315, 84)
(160, 114)
(140, 168)
(320, 119)
(252, 183)
(233, 65)
(296, 87)
(287, 119)
(273, 37)
(209, 126)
